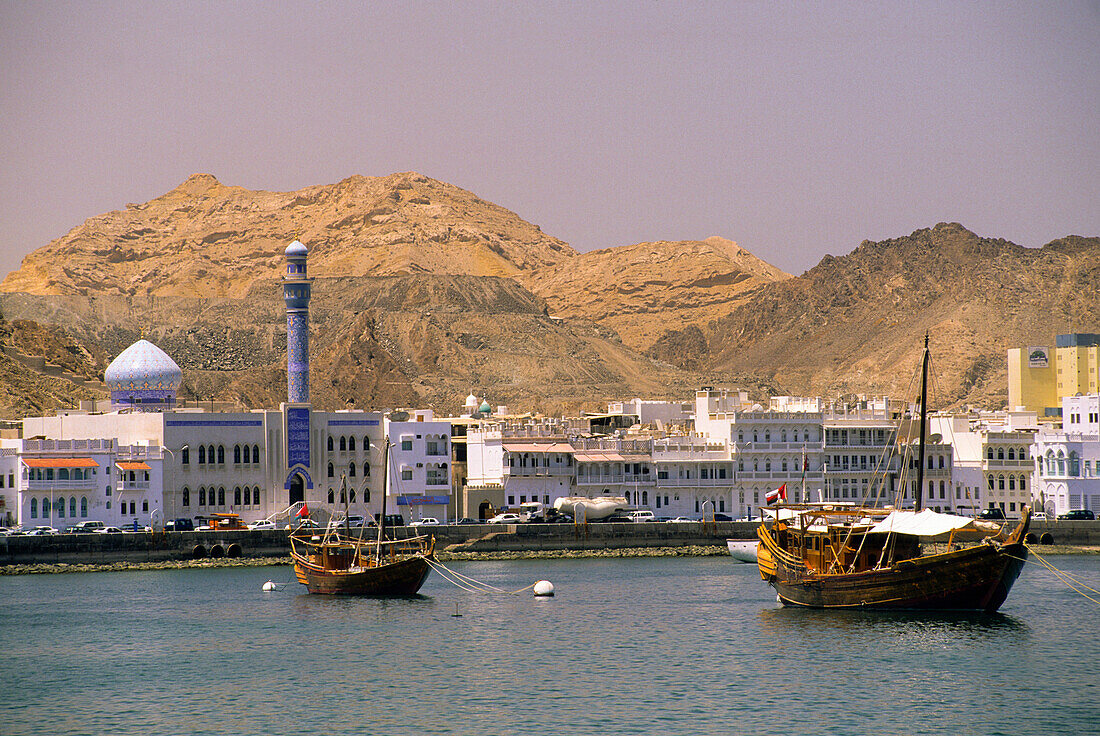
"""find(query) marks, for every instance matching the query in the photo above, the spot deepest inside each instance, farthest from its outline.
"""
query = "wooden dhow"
(336, 562)
(846, 556)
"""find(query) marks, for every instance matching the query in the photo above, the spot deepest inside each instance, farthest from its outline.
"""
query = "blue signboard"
(297, 436)
(423, 500)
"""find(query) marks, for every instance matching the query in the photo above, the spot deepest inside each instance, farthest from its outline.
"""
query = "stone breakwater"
(56, 568)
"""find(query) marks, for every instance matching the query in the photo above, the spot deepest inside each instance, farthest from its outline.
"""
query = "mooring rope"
(467, 583)
(1073, 583)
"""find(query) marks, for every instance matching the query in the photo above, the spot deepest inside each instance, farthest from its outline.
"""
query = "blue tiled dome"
(296, 249)
(143, 366)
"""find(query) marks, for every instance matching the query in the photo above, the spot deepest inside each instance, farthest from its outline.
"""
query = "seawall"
(160, 546)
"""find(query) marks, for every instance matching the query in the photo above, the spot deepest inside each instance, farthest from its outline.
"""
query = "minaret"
(296, 288)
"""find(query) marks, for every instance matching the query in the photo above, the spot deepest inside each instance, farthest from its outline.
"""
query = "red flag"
(304, 511)
(780, 492)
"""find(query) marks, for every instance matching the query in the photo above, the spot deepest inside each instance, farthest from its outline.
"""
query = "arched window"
(351, 443)
(83, 506)
(221, 455)
(351, 470)
(34, 508)
(1074, 464)
(202, 496)
(366, 469)
(210, 454)
(767, 465)
(247, 494)
(1012, 482)
(202, 455)
(185, 455)
(59, 508)
(645, 498)
(991, 481)
(221, 496)
(366, 443)
(330, 443)
(1023, 482)
(45, 508)
(1000, 482)
(1061, 463)
(989, 453)
(943, 490)
(366, 495)
(331, 471)
(343, 443)
(72, 507)
(784, 464)
(186, 501)
(740, 436)
(247, 454)
(255, 453)
(343, 496)
(331, 496)
(63, 474)
(1000, 453)
(236, 454)
(931, 462)
(1012, 453)
(783, 438)
(767, 435)
(237, 495)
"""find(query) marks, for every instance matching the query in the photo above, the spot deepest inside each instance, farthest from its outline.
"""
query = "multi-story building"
(1039, 378)
(860, 442)
(1067, 460)
(990, 457)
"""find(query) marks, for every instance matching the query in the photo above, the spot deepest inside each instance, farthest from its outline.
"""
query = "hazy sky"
(795, 129)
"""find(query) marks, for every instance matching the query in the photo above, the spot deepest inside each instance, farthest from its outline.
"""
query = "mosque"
(148, 459)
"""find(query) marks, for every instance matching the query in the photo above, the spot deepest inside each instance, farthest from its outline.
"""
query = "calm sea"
(631, 646)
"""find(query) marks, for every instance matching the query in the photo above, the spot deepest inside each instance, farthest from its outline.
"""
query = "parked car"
(109, 530)
(426, 521)
(302, 524)
(179, 525)
(355, 521)
(680, 520)
(1078, 515)
(641, 515)
(262, 525)
(467, 520)
(993, 514)
(391, 520)
(723, 517)
(505, 519)
(85, 527)
(42, 531)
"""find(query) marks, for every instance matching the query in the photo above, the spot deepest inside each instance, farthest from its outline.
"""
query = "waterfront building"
(1067, 459)
(991, 458)
(1039, 378)
(695, 477)
(420, 451)
(861, 463)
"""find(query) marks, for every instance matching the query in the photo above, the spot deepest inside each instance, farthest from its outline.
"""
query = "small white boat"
(742, 550)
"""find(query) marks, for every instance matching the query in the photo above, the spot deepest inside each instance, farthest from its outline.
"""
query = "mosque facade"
(149, 459)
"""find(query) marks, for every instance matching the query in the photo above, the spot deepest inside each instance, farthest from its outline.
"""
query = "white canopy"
(928, 523)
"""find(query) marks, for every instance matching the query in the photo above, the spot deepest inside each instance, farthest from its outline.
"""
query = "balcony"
(60, 485)
(694, 482)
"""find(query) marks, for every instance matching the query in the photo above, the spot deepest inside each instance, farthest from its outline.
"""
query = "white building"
(1067, 460)
(420, 460)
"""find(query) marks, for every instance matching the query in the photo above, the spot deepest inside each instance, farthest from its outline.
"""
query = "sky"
(795, 129)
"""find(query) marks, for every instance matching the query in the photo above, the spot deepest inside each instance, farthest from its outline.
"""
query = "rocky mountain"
(646, 290)
(856, 323)
(206, 239)
(425, 292)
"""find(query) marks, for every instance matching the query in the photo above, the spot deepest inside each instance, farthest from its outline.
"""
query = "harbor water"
(626, 646)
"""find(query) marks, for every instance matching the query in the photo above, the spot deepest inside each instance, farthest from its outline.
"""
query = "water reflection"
(948, 627)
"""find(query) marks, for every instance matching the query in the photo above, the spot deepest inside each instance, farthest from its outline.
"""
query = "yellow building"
(1039, 377)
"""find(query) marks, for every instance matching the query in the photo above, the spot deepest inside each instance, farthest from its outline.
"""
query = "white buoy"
(269, 586)
(544, 589)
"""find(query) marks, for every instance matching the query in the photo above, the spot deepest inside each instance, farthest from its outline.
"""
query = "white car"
(42, 531)
(109, 530)
(505, 519)
(680, 520)
(262, 524)
(426, 521)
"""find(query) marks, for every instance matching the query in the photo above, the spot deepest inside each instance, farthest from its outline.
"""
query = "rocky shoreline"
(686, 551)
